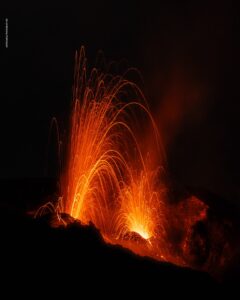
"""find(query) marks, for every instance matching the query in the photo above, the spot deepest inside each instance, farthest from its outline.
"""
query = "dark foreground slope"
(78, 255)
(76, 259)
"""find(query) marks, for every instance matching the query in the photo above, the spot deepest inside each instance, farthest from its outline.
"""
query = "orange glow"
(104, 154)
(140, 207)
(112, 179)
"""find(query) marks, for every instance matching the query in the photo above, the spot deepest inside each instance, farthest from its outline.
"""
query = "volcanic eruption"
(114, 178)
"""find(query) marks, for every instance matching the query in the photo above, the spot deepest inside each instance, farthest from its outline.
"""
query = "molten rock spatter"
(108, 180)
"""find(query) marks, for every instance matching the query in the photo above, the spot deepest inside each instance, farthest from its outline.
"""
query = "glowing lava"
(105, 180)
(140, 206)
(112, 178)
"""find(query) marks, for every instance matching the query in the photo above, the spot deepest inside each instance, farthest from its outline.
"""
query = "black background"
(197, 37)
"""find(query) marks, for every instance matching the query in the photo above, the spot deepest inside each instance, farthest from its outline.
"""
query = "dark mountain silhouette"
(76, 256)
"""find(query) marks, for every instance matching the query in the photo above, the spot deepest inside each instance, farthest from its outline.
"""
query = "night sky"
(186, 51)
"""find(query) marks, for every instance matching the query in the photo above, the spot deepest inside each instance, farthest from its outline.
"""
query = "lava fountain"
(112, 176)
(106, 179)
(140, 206)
